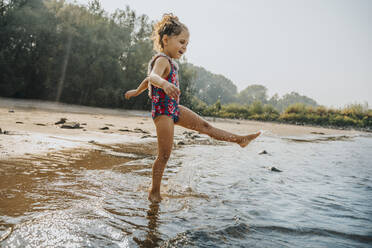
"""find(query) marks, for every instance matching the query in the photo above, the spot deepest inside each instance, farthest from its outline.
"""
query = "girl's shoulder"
(156, 56)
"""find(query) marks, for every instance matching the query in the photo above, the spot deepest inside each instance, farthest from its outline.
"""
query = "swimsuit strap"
(152, 62)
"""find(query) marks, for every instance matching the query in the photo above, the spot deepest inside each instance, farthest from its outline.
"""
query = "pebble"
(61, 121)
(275, 169)
(71, 125)
(139, 130)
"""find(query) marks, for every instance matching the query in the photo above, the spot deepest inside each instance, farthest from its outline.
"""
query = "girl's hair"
(169, 25)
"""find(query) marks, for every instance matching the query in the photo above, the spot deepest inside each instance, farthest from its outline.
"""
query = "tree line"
(72, 53)
(81, 54)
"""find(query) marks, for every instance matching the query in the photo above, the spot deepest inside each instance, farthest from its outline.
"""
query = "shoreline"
(29, 127)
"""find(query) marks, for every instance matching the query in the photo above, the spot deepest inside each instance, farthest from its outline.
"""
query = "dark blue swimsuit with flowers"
(162, 104)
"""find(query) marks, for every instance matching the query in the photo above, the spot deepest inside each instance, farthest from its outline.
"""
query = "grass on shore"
(352, 116)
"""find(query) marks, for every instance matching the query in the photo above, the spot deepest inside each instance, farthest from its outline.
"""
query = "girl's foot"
(155, 197)
(247, 139)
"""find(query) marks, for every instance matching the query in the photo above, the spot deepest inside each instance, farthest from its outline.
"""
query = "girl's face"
(175, 46)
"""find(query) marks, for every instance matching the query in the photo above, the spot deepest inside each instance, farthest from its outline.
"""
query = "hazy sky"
(318, 48)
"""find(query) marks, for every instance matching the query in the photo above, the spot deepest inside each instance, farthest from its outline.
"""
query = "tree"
(26, 42)
(210, 87)
(252, 94)
(293, 98)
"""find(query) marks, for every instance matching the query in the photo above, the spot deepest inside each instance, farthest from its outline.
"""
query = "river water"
(214, 196)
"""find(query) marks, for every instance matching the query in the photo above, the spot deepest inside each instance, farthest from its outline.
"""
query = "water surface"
(214, 196)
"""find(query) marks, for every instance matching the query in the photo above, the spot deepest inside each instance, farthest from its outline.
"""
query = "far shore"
(29, 127)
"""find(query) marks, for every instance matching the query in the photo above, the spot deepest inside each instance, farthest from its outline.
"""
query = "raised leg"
(191, 120)
(164, 130)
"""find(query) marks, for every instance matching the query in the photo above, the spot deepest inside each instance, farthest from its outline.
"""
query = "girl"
(171, 38)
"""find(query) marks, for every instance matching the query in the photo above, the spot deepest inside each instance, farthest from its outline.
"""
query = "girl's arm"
(155, 78)
(139, 90)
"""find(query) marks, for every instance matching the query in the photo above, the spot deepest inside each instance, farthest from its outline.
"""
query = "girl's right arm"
(139, 90)
(155, 78)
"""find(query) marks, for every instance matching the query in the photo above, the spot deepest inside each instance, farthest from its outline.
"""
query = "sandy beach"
(29, 127)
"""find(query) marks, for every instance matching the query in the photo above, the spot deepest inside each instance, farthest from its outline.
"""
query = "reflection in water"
(152, 238)
(217, 195)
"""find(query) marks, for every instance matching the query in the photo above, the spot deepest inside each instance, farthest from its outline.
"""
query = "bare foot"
(247, 139)
(154, 197)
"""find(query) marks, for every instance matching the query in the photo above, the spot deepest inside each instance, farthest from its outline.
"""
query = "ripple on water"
(80, 225)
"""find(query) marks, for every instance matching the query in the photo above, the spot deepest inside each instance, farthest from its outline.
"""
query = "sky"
(318, 48)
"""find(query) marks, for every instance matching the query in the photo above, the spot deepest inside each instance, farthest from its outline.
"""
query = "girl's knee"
(205, 127)
(164, 157)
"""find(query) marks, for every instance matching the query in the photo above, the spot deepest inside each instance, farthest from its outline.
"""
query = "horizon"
(282, 47)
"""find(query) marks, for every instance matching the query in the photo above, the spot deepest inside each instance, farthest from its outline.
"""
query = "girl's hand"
(129, 94)
(171, 90)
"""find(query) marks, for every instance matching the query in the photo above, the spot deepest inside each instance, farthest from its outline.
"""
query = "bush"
(321, 110)
(224, 114)
(256, 108)
(340, 120)
(236, 110)
(317, 119)
(264, 117)
(353, 116)
(367, 121)
(293, 118)
(198, 105)
(356, 111)
(298, 108)
(270, 110)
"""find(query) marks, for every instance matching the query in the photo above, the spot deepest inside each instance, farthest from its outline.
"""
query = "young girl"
(171, 38)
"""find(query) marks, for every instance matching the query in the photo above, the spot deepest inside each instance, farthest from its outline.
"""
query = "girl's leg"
(164, 130)
(191, 120)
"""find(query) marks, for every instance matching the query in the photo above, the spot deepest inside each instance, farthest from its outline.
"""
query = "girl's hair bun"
(168, 25)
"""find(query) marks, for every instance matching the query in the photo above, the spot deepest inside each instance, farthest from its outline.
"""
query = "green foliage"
(356, 111)
(269, 109)
(350, 116)
(289, 99)
(236, 110)
(198, 106)
(256, 108)
(186, 77)
(210, 87)
(298, 113)
(78, 54)
(258, 93)
(253, 93)
(297, 108)
(26, 39)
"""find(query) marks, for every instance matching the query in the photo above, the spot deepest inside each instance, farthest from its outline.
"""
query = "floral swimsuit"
(162, 104)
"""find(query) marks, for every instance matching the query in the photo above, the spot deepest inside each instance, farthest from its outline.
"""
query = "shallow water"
(214, 196)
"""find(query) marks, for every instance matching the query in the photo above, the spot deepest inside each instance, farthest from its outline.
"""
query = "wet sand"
(28, 128)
